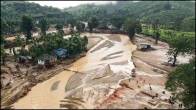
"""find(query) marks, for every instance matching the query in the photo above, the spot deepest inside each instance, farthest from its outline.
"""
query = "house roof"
(61, 52)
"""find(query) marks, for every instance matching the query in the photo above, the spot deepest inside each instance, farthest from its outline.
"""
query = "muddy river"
(106, 63)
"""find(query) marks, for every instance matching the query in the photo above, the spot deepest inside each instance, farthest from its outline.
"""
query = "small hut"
(47, 60)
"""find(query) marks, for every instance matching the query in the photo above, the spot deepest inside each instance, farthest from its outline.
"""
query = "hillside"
(180, 14)
(12, 11)
(168, 13)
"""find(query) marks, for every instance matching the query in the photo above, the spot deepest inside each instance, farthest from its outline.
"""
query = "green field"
(165, 33)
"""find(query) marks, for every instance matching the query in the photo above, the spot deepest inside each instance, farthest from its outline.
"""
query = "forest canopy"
(177, 15)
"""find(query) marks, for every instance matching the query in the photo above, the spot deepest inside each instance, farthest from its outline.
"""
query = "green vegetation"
(59, 28)
(2, 50)
(117, 21)
(138, 27)
(43, 26)
(129, 26)
(27, 27)
(4, 28)
(74, 44)
(2, 40)
(182, 83)
(169, 21)
(156, 33)
(180, 44)
(171, 15)
(92, 23)
(80, 27)
(3, 55)
(72, 22)
(12, 12)
(18, 41)
(164, 33)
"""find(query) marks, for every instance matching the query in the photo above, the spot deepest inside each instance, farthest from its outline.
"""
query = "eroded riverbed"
(100, 71)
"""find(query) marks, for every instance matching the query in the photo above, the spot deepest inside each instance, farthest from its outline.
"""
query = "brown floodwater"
(49, 93)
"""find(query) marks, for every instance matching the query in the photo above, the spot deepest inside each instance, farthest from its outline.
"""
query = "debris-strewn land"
(147, 89)
(101, 88)
(17, 83)
(17, 79)
(103, 78)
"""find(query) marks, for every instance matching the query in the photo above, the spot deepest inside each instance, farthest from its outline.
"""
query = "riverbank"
(21, 88)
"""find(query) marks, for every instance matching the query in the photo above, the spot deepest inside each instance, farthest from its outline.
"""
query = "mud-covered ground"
(102, 79)
(91, 66)
(147, 89)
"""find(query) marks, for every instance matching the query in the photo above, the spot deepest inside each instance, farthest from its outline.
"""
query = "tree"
(92, 23)
(4, 27)
(84, 43)
(129, 26)
(188, 24)
(80, 26)
(103, 25)
(182, 83)
(36, 50)
(3, 55)
(27, 26)
(157, 36)
(180, 44)
(43, 26)
(18, 41)
(117, 21)
(85, 40)
(138, 27)
(155, 27)
(167, 6)
(59, 28)
(72, 22)
(2, 40)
